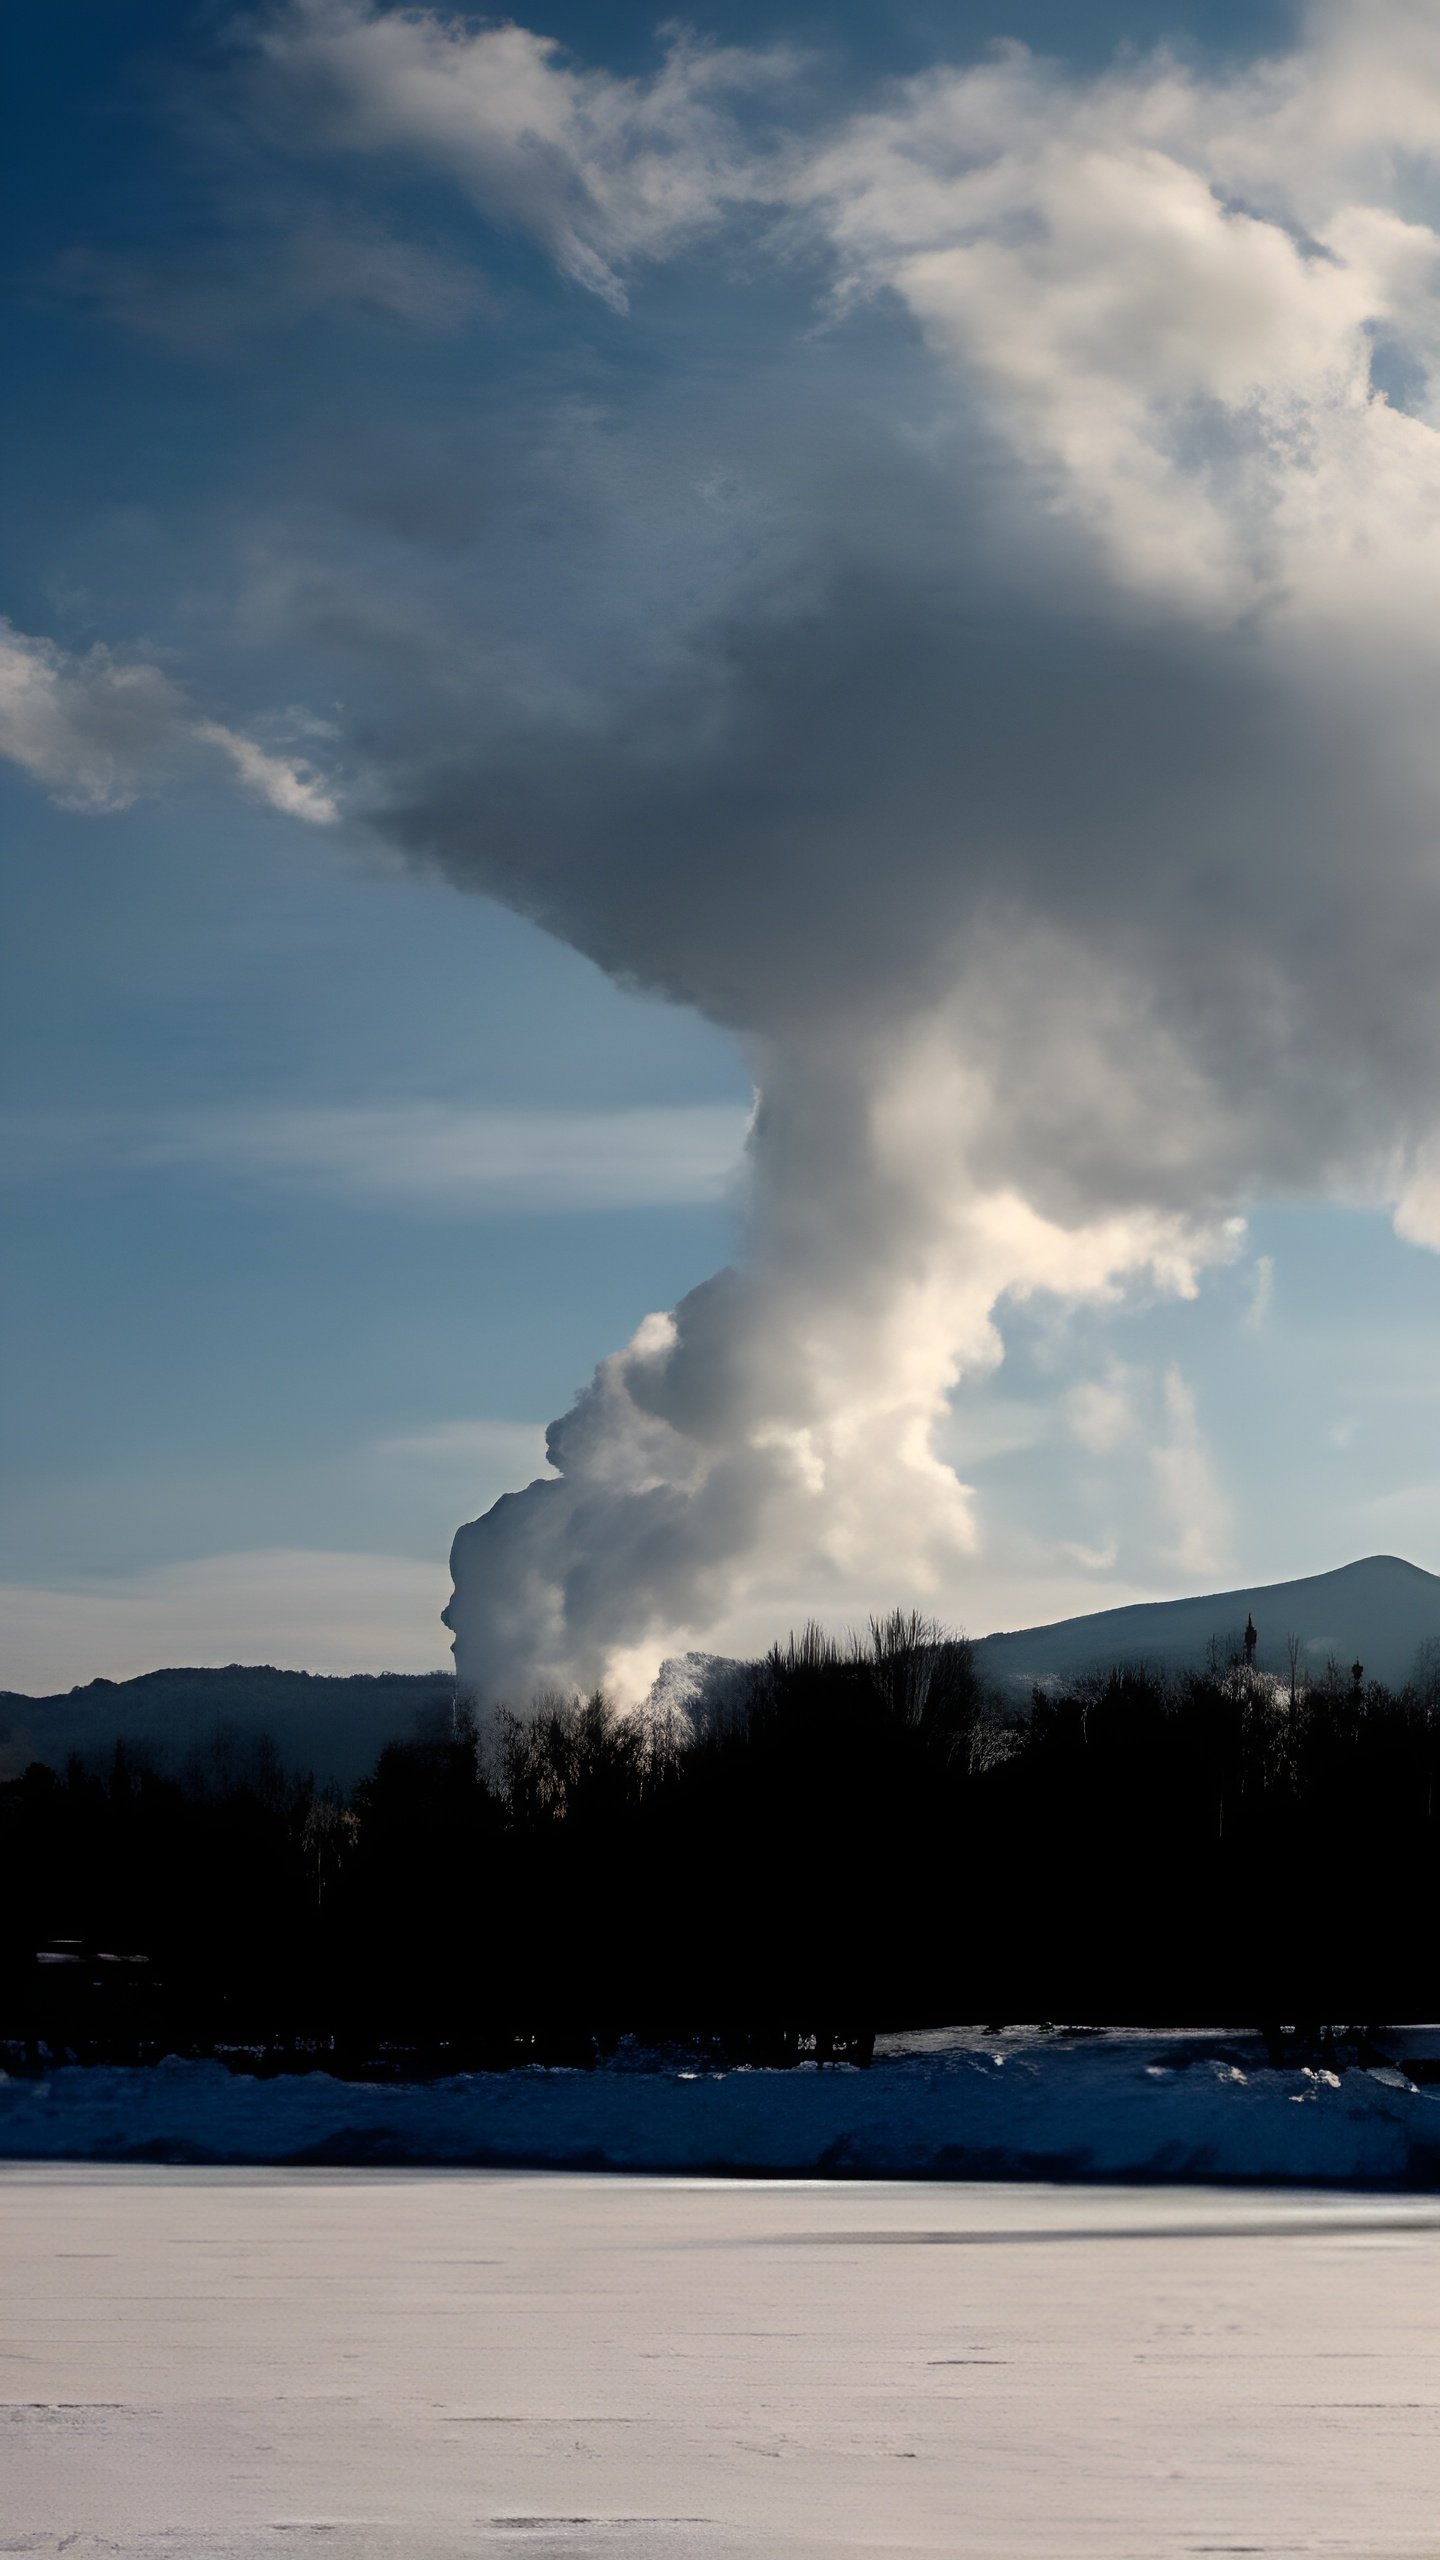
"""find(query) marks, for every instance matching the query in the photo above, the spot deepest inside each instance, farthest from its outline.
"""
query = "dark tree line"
(861, 1838)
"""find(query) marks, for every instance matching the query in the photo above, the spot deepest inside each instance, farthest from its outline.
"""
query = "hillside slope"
(334, 1728)
(1379, 1611)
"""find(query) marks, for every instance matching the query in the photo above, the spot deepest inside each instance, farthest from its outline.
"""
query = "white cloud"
(300, 1609)
(88, 728)
(601, 170)
(1165, 286)
(97, 731)
(1417, 1211)
(287, 785)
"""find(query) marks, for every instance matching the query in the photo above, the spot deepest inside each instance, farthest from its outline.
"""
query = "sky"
(517, 644)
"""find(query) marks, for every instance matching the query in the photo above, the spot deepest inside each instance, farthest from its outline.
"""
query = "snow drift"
(946, 2105)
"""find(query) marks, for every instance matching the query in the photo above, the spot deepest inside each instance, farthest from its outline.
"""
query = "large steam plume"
(1000, 688)
(1037, 772)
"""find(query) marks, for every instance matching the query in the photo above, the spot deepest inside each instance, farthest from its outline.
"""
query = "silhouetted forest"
(860, 1839)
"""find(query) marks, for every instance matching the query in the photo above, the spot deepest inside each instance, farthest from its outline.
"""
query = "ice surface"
(205, 2364)
(951, 2104)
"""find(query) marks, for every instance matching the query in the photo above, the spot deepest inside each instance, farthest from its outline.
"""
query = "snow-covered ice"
(223, 2364)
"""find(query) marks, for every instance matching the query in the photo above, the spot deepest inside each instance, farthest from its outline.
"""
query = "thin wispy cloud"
(1262, 1294)
(98, 731)
(301, 1608)
(296, 263)
(602, 171)
(512, 1450)
(1188, 1486)
(1100, 1412)
(421, 1156)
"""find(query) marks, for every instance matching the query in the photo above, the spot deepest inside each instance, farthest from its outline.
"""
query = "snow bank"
(953, 2106)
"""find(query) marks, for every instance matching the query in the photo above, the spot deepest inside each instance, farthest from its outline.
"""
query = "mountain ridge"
(1378, 1610)
(333, 1725)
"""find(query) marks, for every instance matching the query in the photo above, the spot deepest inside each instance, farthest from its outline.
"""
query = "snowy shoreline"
(955, 2105)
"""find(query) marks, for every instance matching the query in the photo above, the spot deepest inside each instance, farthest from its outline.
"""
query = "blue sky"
(327, 1184)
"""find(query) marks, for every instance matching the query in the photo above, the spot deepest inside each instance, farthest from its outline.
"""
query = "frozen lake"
(216, 2364)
